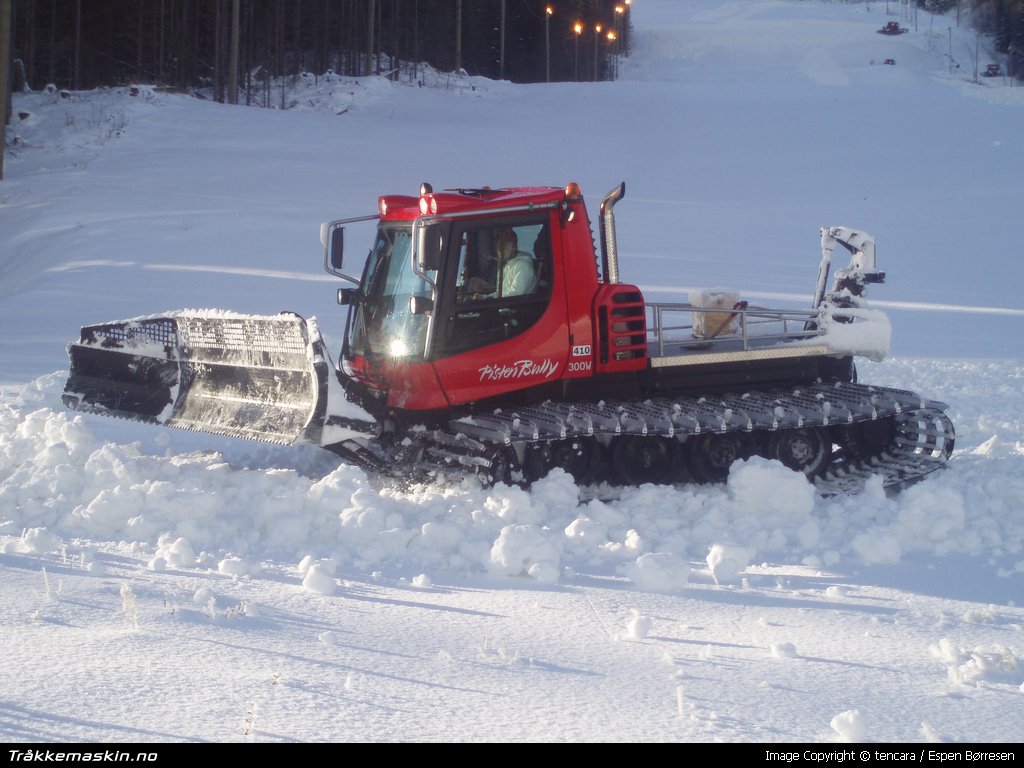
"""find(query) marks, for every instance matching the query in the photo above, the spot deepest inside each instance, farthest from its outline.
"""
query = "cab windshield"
(382, 324)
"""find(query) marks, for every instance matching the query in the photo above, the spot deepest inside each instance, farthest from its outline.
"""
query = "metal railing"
(743, 327)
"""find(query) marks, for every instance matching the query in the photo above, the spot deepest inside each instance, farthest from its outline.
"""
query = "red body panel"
(415, 387)
(537, 356)
(621, 322)
(577, 263)
(563, 343)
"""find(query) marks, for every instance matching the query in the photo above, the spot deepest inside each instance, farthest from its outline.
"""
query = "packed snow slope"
(165, 586)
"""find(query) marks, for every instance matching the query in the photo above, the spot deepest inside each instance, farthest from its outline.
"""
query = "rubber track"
(923, 443)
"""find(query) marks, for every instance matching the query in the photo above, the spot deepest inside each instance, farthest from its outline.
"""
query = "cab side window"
(502, 284)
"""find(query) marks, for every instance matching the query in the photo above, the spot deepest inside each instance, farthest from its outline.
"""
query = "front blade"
(238, 375)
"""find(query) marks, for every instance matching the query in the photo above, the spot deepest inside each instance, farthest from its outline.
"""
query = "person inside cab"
(516, 274)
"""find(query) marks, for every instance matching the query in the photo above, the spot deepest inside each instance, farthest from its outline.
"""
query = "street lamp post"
(625, 28)
(578, 29)
(597, 36)
(619, 11)
(547, 42)
(614, 67)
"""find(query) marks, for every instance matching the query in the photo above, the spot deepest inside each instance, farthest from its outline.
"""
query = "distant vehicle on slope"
(892, 28)
(992, 70)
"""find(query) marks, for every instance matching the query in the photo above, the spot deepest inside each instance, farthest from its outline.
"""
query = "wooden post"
(371, 12)
(458, 37)
(233, 55)
(5, 75)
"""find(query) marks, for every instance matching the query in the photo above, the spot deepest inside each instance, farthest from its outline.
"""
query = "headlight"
(398, 348)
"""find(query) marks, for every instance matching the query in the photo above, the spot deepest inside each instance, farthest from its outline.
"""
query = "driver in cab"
(516, 274)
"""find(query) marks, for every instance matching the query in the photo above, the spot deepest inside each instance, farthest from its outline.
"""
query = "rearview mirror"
(348, 296)
(336, 247)
(428, 248)
(332, 237)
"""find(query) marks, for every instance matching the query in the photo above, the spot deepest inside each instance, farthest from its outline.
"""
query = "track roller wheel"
(803, 450)
(503, 466)
(576, 455)
(711, 455)
(866, 438)
(637, 460)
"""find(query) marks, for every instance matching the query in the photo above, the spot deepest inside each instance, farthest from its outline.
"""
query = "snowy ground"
(161, 586)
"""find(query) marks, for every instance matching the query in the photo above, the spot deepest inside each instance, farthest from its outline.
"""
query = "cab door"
(487, 344)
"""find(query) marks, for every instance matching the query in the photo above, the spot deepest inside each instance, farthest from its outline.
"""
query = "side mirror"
(337, 247)
(428, 248)
(332, 237)
(348, 296)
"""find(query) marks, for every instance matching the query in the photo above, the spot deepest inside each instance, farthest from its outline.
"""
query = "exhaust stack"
(609, 250)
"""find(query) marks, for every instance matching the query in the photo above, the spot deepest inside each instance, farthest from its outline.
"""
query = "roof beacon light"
(428, 204)
(572, 191)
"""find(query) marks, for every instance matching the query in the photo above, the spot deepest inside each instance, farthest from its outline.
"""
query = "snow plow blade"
(259, 378)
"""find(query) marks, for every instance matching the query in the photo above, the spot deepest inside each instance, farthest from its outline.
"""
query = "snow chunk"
(765, 487)
(727, 562)
(966, 667)
(319, 579)
(37, 541)
(176, 554)
(784, 651)
(639, 626)
(525, 550)
(659, 572)
(236, 566)
(849, 725)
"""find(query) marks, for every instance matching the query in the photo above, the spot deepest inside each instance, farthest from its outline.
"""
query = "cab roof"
(464, 199)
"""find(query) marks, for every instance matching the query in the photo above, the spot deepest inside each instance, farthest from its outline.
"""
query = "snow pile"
(61, 483)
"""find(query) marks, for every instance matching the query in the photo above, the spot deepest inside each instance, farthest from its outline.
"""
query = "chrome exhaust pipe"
(609, 251)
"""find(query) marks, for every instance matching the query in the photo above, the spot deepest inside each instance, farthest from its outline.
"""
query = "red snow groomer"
(892, 28)
(485, 332)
